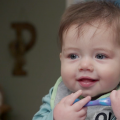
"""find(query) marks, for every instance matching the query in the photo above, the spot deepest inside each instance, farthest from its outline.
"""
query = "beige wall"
(24, 94)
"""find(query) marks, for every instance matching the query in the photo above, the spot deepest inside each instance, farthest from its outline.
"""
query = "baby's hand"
(115, 103)
(66, 110)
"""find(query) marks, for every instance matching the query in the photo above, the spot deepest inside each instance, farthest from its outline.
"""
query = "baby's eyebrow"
(104, 49)
(71, 48)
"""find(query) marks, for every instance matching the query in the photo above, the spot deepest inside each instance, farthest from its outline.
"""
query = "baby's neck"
(96, 97)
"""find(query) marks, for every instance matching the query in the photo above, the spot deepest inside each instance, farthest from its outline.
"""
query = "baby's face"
(91, 61)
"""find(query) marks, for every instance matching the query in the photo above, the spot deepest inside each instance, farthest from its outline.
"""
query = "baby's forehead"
(90, 30)
(92, 34)
(87, 26)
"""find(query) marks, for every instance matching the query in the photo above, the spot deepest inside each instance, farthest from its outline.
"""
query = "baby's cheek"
(111, 78)
(107, 72)
(67, 69)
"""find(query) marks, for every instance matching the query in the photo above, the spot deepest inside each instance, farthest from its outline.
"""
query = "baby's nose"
(86, 65)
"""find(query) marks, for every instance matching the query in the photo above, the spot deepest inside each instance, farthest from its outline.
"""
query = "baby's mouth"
(87, 82)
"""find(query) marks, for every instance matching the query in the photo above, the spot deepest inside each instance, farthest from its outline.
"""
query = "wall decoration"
(18, 47)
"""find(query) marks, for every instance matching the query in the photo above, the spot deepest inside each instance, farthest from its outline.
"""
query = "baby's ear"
(60, 56)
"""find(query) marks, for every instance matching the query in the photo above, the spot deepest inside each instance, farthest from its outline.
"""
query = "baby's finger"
(70, 99)
(83, 117)
(113, 95)
(80, 104)
(82, 112)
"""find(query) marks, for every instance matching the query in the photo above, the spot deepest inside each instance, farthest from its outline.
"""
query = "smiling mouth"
(87, 82)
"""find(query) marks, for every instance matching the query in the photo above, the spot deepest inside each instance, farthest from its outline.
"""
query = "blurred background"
(29, 54)
(23, 93)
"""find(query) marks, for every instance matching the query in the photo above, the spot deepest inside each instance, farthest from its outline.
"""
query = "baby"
(90, 64)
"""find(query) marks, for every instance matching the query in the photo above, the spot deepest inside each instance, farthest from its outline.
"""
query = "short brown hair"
(88, 12)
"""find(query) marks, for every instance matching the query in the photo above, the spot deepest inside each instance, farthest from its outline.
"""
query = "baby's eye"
(73, 56)
(101, 56)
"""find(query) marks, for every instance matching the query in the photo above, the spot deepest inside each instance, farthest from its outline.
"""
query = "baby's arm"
(66, 110)
(115, 103)
(45, 112)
